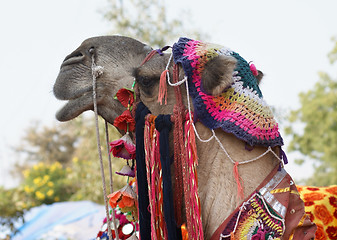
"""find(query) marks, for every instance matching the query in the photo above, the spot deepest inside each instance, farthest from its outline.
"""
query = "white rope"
(237, 220)
(216, 138)
(168, 75)
(96, 72)
(190, 115)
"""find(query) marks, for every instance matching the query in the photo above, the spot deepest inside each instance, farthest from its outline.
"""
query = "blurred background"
(43, 161)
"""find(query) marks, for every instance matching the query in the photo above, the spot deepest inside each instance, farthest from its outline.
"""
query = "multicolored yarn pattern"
(154, 179)
(240, 109)
(193, 212)
(254, 220)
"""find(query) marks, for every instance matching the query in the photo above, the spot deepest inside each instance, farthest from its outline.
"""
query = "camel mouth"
(74, 107)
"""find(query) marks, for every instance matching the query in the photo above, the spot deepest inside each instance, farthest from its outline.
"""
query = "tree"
(71, 145)
(147, 21)
(48, 144)
(11, 208)
(316, 119)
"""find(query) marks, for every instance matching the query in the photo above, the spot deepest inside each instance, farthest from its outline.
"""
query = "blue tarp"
(63, 220)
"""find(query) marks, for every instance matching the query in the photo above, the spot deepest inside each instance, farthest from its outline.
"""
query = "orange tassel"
(232, 236)
(238, 180)
(162, 88)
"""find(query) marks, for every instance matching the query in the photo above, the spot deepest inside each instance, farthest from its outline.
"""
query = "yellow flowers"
(37, 181)
(39, 195)
(55, 166)
(42, 181)
(50, 192)
(38, 166)
(46, 183)
(26, 173)
(28, 189)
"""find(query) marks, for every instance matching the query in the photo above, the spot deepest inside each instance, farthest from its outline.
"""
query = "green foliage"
(314, 130)
(12, 208)
(146, 20)
(48, 144)
(78, 177)
(45, 184)
(86, 176)
(333, 54)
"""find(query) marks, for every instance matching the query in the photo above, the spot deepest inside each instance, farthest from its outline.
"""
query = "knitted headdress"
(240, 109)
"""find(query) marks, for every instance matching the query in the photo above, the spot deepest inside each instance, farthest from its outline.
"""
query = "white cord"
(96, 71)
(190, 115)
(214, 136)
(168, 75)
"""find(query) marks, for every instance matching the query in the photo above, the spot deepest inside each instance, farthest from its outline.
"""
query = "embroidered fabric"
(240, 109)
(274, 211)
(255, 220)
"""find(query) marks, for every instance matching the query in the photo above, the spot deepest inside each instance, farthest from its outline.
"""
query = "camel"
(121, 59)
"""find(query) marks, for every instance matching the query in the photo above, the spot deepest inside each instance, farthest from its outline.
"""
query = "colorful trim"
(255, 220)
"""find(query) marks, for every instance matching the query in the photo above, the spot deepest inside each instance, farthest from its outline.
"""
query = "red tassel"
(238, 180)
(162, 88)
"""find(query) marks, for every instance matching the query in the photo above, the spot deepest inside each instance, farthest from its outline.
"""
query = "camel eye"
(91, 50)
(146, 81)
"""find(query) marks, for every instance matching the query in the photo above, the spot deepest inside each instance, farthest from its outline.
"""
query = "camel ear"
(259, 77)
(217, 75)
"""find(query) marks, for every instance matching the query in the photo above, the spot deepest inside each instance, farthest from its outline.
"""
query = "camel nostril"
(74, 57)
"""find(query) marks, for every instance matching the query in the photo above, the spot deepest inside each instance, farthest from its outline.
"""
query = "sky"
(288, 40)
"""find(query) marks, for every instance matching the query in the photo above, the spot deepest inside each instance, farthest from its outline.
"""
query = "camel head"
(121, 59)
(216, 77)
(118, 56)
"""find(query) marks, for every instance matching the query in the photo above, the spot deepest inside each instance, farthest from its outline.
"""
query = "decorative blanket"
(321, 206)
(274, 211)
(240, 109)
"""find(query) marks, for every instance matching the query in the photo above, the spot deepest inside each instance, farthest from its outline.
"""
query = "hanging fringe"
(162, 88)
(163, 125)
(142, 186)
(232, 236)
(179, 158)
(193, 199)
(149, 169)
(179, 152)
(238, 180)
(283, 156)
(154, 179)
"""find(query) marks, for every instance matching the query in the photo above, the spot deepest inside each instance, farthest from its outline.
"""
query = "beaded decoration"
(240, 109)
(255, 219)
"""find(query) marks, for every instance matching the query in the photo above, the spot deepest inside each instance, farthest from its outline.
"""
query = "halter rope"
(236, 163)
(96, 72)
(184, 80)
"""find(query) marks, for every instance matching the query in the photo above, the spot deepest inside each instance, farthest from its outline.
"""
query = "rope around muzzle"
(96, 72)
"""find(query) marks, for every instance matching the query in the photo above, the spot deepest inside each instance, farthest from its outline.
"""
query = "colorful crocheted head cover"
(240, 109)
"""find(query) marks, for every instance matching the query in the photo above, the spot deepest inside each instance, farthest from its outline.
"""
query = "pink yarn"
(253, 69)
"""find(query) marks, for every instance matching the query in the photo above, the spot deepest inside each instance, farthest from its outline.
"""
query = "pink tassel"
(253, 69)
(238, 180)
(162, 88)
